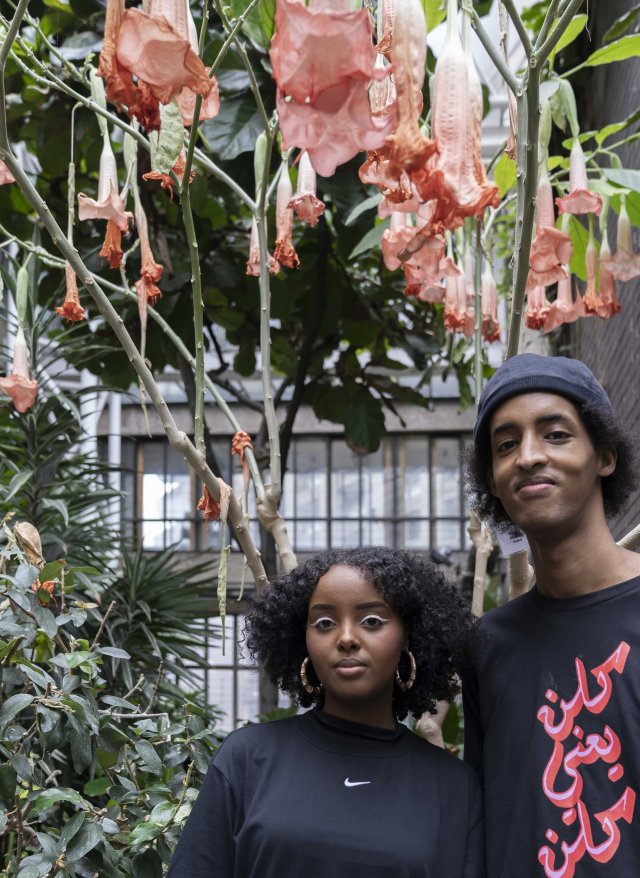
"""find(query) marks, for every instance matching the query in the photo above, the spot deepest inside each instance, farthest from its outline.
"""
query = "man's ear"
(608, 461)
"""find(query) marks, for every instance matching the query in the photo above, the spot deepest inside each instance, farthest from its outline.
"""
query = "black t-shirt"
(552, 722)
(312, 796)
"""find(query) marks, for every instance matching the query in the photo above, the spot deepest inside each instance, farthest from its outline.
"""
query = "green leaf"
(114, 652)
(16, 484)
(364, 424)
(234, 130)
(504, 174)
(89, 836)
(13, 706)
(52, 570)
(260, 24)
(149, 757)
(166, 144)
(59, 506)
(435, 12)
(71, 827)
(8, 784)
(58, 794)
(580, 237)
(573, 30)
(622, 24)
(46, 620)
(96, 787)
(626, 177)
(627, 47)
(608, 130)
(367, 204)
(371, 241)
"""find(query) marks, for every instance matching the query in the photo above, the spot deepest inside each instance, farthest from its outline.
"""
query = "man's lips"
(534, 486)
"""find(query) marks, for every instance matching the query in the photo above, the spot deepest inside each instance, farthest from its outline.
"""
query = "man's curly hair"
(606, 433)
(437, 621)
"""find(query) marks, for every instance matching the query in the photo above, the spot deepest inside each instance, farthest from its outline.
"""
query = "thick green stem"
(554, 37)
(521, 30)
(527, 178)
(548, 21)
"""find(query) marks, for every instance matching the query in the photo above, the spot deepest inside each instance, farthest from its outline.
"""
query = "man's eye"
(324, 623)
(505, 445)
(558, 434)
(373, 621)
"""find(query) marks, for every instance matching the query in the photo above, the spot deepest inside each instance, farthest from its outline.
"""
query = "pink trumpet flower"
(537, 307)
(253, 262)
(592, 301)
(564, 309)
(580, 199)
(5, 175)
(71, 309)
(395, 239)
(322, 60)
(305, 203)
(408, 147)
(21, 388)
(610, 303)
(624, 264)
(156, 48)
(109, 205)
(551, 248)
(285, 252)
(489, 306)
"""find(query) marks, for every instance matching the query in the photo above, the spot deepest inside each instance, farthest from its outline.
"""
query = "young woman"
(344, 790)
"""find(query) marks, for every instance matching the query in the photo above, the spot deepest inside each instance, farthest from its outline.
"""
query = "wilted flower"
(209, 506)
(537, 307)
(489, 306)
(608, 295)
(150, 270)
(5, 175)
(395, 239)
(592, 301)
(387, 16)
(284, 251)
(71, 310)
(579, 199)
(253, 262)
(305, 203)
(21, 388)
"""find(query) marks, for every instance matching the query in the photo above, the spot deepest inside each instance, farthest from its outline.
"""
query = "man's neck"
(580, 563)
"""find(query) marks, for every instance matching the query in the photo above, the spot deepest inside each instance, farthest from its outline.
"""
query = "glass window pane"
(153, 488)
(374, 502)
(309, 535)
(310, 479)
(345, 533)
(446, 535)
(177, 487)
(215, 642)
(376, 533)
(248, 695)
(446, 476)
(416, 534)
(220, 689)
(345, 488)
(415, 476)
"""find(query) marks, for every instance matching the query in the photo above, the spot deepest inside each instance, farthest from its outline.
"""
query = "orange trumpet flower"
(71, 310)
(284, 251)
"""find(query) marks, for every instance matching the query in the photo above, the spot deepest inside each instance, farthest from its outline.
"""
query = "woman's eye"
(373, 621)
(323, 623)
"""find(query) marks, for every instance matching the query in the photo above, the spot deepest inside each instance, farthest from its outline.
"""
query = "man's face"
(545, 469)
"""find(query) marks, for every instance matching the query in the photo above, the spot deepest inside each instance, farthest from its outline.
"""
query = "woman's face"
(354, 640)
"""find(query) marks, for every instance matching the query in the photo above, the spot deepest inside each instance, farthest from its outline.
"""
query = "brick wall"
(612, 347)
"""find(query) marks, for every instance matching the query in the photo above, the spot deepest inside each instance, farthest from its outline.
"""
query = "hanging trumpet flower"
(579, 199)
(284, 251)
(71, 309)
(624, 264)
(305, 202)
(489, 306)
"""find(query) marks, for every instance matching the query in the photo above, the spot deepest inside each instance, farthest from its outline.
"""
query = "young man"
(552, 705)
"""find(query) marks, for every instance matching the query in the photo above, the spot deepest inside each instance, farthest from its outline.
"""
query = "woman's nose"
(348, 636)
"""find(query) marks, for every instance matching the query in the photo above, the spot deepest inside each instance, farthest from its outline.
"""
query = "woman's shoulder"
(258, 735)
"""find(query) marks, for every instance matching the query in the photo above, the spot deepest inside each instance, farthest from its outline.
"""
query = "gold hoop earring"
(405, 685)
(306, 685)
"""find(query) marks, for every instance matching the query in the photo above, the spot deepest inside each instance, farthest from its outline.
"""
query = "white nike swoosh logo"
(355, 783)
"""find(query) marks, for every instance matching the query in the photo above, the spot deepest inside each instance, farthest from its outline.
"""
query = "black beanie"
(531, 373)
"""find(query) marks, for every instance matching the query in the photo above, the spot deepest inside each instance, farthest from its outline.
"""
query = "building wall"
(612, 347)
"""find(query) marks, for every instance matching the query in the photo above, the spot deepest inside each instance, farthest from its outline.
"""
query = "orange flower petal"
(71, 310)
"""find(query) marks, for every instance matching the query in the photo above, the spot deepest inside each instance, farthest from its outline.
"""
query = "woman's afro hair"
(437, 621)
(606, 433)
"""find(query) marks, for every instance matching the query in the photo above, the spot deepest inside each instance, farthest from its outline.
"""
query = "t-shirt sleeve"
(206, 846)
(473, 737)
(475, 853)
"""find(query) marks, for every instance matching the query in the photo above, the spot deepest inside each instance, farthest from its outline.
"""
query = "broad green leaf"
(548, 88)
(626, 177)
(163, 813)
(57, 794)
(149, 757)
(574, 29)
(16, 484)
(52, 570)
(504, 174)
(71, 827)
(59, 506)
(364, 424)
(371, 241)
(13, 706)
(608, 130)
(234, 130)
(260, 24)
(165, 146)
(627, 47)
(580, 237)
(46, 620)
(8, 784)
(96, 787)
(435, 12)
(114, 652)
(367, 204)
(89, 836)
(622, 24)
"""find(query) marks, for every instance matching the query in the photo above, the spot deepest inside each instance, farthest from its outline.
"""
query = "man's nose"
(532, 450)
